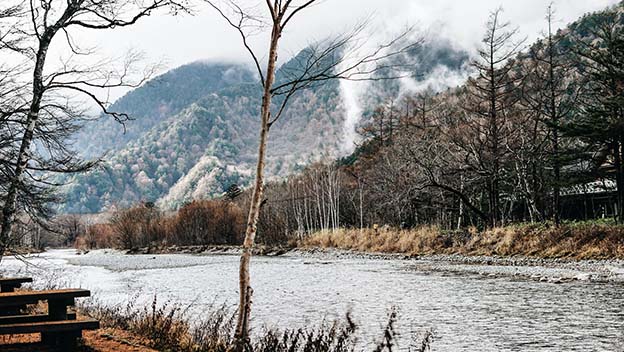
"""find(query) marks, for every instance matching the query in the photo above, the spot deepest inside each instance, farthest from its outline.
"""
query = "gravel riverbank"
(558, 270)
(539, 269)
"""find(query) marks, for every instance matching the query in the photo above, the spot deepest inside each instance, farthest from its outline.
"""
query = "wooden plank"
(33, 318)
(15, 280)
(9, 299)
(49, 326)
(18, 319)
(10, 284)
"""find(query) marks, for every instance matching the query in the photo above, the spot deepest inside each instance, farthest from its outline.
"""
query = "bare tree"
(327, 60)
(70, 227)
(434, 155)
(491, 94)
(48, 114)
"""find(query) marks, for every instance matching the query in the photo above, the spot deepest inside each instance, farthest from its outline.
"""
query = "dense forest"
(528, 132)
(516, 142)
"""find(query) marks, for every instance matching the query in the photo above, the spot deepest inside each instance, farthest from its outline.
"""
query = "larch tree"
(326, 60)
(463, 150)
(49, 113)
(490, 96)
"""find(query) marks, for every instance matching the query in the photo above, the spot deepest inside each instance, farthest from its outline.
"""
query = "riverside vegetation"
(587, 240)
(204, 224)
(166, 327)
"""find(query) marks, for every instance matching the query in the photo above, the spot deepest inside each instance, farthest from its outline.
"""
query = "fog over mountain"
(192, 132)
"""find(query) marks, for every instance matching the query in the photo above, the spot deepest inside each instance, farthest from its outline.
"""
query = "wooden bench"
(58, 300)
(58, 327)
(10, 284)
(31, 318)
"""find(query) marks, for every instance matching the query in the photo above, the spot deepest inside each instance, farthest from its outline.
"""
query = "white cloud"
(182, 39)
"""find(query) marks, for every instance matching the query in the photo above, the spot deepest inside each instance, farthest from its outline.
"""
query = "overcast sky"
(205, 36)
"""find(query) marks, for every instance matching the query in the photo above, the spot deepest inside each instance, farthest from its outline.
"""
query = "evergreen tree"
(599, 122)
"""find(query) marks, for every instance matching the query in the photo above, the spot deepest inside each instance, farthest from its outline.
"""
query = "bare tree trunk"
(619, 179)
(555, 122)
(461, 203)
(282, 12)
(246, 292)
(361, 205)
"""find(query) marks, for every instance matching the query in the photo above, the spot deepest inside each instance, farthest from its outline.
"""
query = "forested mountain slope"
(193, 132)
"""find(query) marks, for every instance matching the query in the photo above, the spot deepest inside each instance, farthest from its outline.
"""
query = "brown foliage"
(207, 222)
(97, 236)
(138, 226)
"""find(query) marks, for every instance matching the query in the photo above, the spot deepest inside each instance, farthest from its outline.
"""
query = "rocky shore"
(550, 270)
(206, 249)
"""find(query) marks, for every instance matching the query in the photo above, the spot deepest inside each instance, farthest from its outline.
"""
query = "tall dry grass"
(574, 240)
(168, 327)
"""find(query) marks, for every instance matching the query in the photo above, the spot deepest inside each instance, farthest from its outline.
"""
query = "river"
(466, 310)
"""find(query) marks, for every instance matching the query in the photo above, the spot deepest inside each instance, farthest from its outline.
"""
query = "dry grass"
(577, 240)
(168, 328)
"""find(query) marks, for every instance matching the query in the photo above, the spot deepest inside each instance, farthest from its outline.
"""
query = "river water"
(466, 311)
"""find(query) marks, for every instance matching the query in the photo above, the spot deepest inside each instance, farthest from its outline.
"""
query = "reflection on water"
(467, 312)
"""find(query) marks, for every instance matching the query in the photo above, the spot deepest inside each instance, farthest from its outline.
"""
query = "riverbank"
(102, 340)
(576, 241)
(571, 252)
(157, 326)
(552, 270)
(166, 327)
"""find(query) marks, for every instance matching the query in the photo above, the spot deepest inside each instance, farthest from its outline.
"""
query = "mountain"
(193, 132)
(160, 98)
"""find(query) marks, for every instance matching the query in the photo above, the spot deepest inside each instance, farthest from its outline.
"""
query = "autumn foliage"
(206, 222)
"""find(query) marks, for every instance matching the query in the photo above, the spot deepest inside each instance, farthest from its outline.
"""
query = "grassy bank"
(574, 240)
